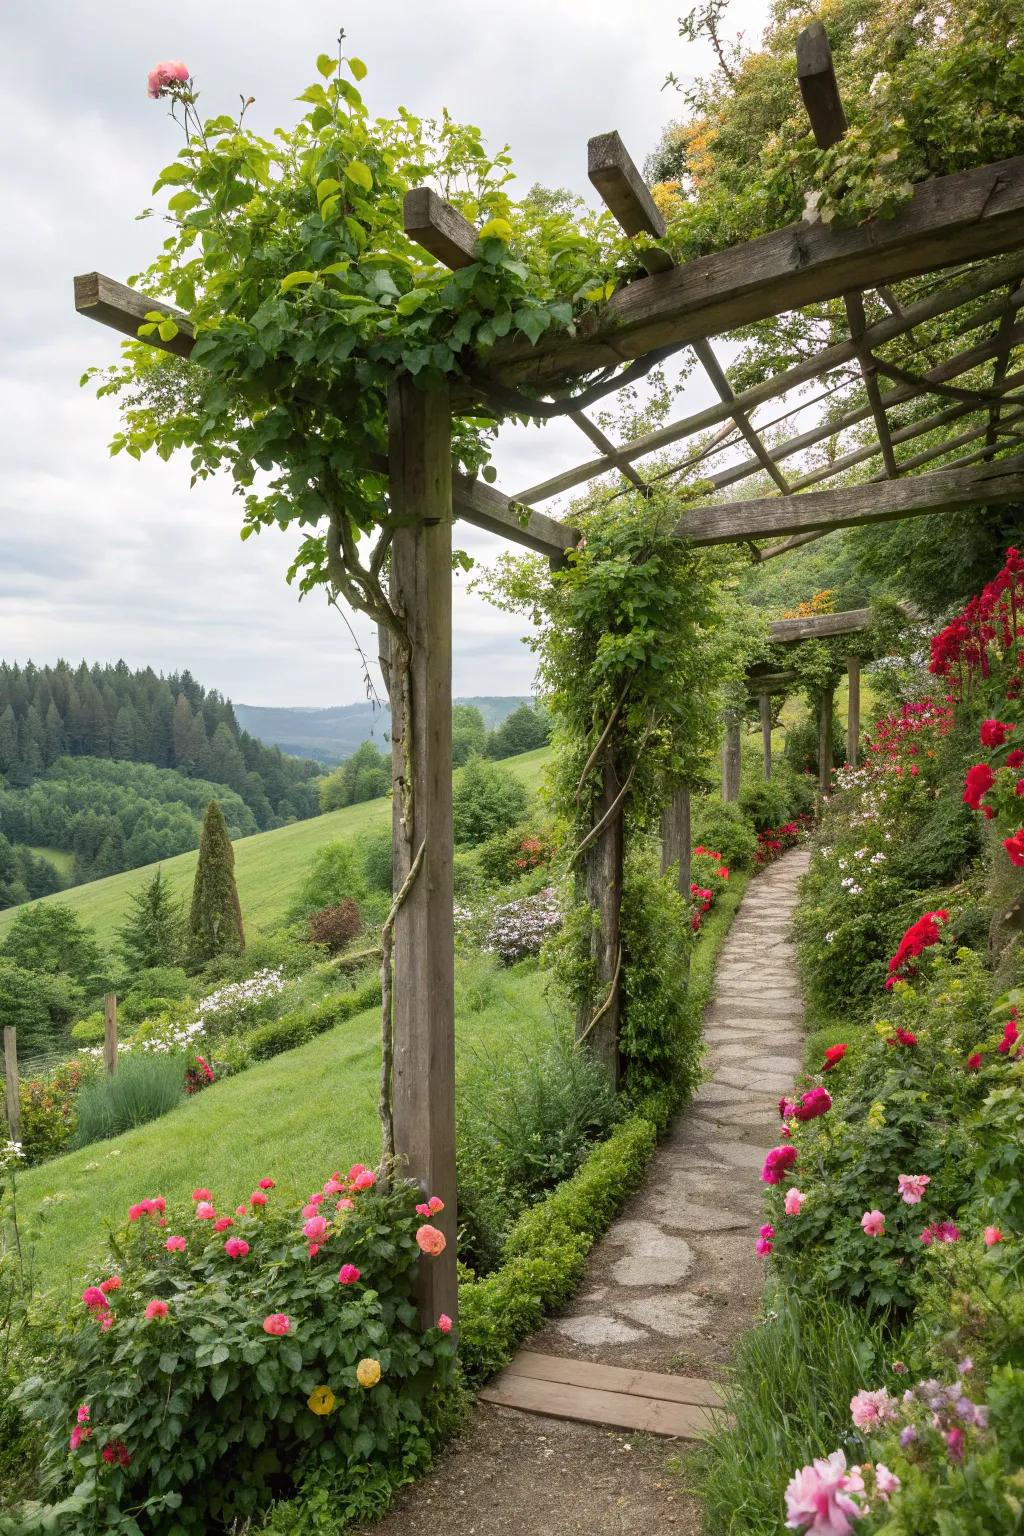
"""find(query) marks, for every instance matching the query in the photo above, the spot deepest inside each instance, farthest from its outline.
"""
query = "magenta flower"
(348, 1274)
(912, 1187)
(444, 1322)
(778, 1161)
(236, 1247)
(175, 1245)
(992, 1236)
(205, 1211)
(940, 1232)
(815, 1102)
(156, 1309)
(873, 1223)
(277, 1324)
(315, 1228)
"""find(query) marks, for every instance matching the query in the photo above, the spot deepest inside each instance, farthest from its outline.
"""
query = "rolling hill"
(269, 866)
(330, 735)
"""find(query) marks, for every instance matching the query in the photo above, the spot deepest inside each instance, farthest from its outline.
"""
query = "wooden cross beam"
(945, 490)
(819, 626)
(963, 217)
(124, 309)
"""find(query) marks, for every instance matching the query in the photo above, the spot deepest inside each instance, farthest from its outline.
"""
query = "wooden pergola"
(969, 226)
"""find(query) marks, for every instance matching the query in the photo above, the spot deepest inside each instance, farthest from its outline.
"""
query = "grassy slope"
(268, 865)
(62, 861)
(295, 1118)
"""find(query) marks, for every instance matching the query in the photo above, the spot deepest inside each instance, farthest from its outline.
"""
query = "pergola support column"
(853, 710)
(826, 702)
(764, 705)
(731, 757)
(676, 838)
(423, 1010)
(597, 1024)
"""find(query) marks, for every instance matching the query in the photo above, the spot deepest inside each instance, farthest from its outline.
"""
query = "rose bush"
(226, 1360)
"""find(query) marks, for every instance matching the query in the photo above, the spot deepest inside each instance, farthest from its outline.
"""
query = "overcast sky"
(108, 558)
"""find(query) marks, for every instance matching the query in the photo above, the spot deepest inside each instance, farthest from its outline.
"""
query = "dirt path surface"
(669, 1288)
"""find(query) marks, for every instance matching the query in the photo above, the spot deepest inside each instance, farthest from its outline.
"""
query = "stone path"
(670, 1286)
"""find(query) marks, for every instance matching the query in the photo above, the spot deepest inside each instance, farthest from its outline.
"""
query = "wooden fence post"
(110, 1034)
(598, 1020)
(423, 1010)
(826, 699)
(731, 756)
(676, 838)
(12, 1098)
(853, 711)
(765, 706)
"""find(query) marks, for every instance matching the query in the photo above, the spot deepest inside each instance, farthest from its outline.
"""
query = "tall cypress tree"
(215, 919)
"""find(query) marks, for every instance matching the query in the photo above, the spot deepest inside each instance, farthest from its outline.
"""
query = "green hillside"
(269, 865)
(295, 1118)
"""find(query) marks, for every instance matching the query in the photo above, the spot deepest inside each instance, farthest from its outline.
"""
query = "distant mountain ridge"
(334, 733)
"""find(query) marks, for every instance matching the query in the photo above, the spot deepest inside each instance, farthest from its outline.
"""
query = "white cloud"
(105, 557)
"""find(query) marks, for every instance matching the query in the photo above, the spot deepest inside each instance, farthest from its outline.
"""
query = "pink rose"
(873, 1223)
(170, 72)
(794, 1200)
(175, 1245)
(333, 1186)
(278, 1324)
(344, 1204)
(83, 1414)
(992, 1236)
(315, 1227)
(94, 1299)
(223, 1224)
(348, 1274)
(236, 1248)
(912, 1187)
(78, 1434)
(886, 1482)
(156, 1309)
(870, 1410)
(423, 1209)
(819, 1498)
(430, 1240)
(257, 1197)
(355, 1171)
(365, 1180)
(778, 1161)
(436, 1205)
(205, 1211)
(444, 1322)
(266, 1184)
(201, 1194)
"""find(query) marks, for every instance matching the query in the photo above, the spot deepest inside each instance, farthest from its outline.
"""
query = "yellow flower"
(368, 1373)
(321, 1400)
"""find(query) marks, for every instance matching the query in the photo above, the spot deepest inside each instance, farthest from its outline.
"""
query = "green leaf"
(329, 206)
(218, 1385)
(326, 65)
(410, 302)
(359, 173)
(167, 329)
(294, 279)
(335, 269)
(358, 68)
(326, 187)
(147, 329)
(316, 95)
(173, 175)
(532, 322)
(496, 229)
(489, 473)
(182, 201)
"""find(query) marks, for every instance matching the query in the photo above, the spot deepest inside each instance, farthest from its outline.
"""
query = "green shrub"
(725, 829)
(946, 839)
(517, 851)
(764, 804)
(155, 985)
(295, 1028)
(89, 1031)
(660, 1034)
(335, 872)
(487, 800)
(49, 1112)
(376, 852)
(146, 1085)
(801, 747)
(216, 1412)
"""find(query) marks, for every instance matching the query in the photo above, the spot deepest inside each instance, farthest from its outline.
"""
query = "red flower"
(903, 1037)
(833, 1056)
(778, 1161)
(978, 782)
(116, 1451)
(1015, 759)
(1015, 848)
(974, 1061)
(815, 1102)
(1009, 1037)
(993, 732)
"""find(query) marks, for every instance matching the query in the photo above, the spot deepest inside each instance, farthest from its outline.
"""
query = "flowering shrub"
(48, 1116)
(518, 928)
(224, 1360)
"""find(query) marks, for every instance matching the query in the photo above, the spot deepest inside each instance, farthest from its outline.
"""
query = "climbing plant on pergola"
(967, 221)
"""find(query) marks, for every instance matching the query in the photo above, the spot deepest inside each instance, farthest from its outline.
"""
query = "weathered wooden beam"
(869, 373)
(942, 491)
(626, 195)
(716, 373)
(784, 549)
(676, 837)
(731, 756)
(423, 1012)
(816, 77)
(597, 1022)
(927, 455)
(819, 626)
(12, 1089)
(963, 217)
(124, 309)
(764, 707)
(438, 228)
(483, 506)
(937, 304)
(826, 703)
(769, 682)
(999, 367)
(853, 710)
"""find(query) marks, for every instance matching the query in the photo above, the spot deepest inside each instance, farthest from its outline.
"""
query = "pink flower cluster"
(778, 1162)
(163, 77)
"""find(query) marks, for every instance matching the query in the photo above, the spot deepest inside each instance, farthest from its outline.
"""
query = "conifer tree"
(154, 932)
(215, 918)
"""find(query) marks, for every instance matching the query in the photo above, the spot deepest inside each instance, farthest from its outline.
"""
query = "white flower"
(878, 858)
(829, 937)
(811, 201)
(861, 853)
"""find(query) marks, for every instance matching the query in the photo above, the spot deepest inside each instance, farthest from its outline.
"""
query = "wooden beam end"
(612, 172)
(438, 227)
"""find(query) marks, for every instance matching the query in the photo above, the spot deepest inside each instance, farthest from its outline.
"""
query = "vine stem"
(386, 1107)
(599, 1015)
(602, 739)
(598, 827)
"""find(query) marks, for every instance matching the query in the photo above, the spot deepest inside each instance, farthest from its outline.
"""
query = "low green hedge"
(295, 1028)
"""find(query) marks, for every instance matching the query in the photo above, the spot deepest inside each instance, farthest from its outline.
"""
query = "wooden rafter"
(943, 490)
(819, 626)
(942, 302)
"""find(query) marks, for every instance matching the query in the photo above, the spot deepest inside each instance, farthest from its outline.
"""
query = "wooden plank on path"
(615, 1378)
(590, 1405)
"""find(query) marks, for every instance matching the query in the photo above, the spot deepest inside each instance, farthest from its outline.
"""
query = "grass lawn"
(62, 861)
(269, 866)
(295, 1118)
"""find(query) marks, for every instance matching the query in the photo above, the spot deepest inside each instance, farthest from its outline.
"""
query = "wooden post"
(825, 703)
(423, 1011)
(676, 838)
(12, 1099)
(853, 711)
(598, 1020)
(110, 1034)
(731, 756)
(765, 706)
